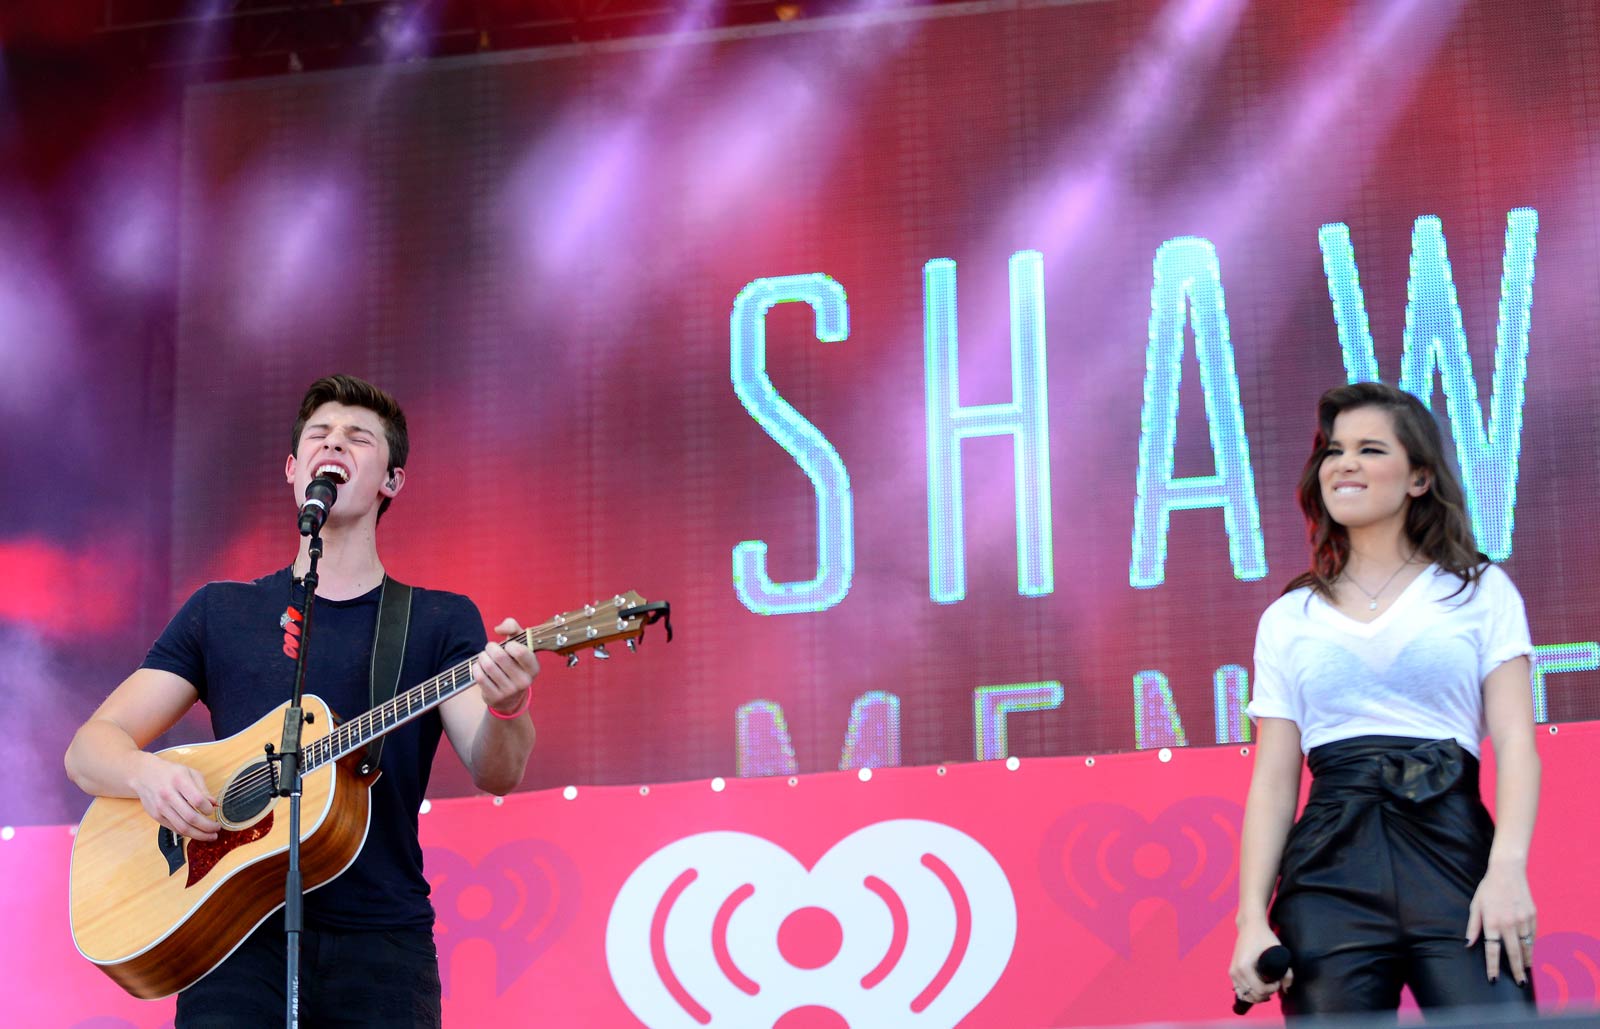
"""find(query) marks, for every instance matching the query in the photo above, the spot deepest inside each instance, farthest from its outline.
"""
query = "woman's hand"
(1255, 938)
(1502, 911)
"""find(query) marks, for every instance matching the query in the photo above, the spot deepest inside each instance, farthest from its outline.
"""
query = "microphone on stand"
(320, 495)
(1271, 966)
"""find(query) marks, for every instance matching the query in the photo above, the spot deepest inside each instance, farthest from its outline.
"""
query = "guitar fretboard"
(395, 712)
(589, 627)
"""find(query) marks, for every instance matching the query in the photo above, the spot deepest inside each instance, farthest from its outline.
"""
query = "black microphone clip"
(320, 495)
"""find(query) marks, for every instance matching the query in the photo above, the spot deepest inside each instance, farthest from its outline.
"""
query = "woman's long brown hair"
(1436, 522)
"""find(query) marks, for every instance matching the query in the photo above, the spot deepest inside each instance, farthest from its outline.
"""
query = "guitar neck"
(393, 713)
(624, 616)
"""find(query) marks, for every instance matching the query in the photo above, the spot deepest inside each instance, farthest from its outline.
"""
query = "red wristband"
(526, 697)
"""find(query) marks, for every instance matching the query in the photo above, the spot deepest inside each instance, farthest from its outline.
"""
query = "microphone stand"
(288, 761)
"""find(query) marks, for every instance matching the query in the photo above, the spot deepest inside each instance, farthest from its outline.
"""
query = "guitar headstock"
(622, 617)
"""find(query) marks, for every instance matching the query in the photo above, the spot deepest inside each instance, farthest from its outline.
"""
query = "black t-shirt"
(227, 641)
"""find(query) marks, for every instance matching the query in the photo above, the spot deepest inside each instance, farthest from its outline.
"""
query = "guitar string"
(262, 776)
(347, 737)
(318, 751)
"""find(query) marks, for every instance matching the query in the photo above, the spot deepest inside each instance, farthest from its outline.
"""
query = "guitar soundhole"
(249, 794)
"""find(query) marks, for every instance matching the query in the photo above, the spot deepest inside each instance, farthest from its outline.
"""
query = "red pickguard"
(203, 855)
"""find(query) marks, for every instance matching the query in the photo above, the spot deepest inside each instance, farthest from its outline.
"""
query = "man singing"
(367, 953)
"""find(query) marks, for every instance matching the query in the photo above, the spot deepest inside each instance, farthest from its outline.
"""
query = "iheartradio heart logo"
(1099, 860)
(904, 922)
(1567, 966)
(519, 899)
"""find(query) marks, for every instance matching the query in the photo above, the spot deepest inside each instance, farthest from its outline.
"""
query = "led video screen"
(949, 371)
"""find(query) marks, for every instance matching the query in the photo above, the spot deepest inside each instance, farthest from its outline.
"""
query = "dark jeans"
(378, 979)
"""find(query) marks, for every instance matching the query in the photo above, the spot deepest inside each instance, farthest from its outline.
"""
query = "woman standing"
(1386, 663)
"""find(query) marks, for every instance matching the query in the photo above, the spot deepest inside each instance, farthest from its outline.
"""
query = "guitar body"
(157, 911)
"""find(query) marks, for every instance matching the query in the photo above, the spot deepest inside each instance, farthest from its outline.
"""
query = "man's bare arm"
(107, 758)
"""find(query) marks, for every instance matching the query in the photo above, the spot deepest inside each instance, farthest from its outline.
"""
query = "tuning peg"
(601, 653)
(633, 644)
(572, 659)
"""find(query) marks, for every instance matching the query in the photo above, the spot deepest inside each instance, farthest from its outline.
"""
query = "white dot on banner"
(718, 784)
(1165, 754)
(865, 775)
(940, 770)
(499, 801)
(1244, 751)
(427, 805)
(793, 781)
(7, 832)
(1089, 761)
(1013, 763)
(571, 793)
(644, 791)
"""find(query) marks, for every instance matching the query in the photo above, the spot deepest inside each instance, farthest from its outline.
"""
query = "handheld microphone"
(320, 495)
(1271, 966)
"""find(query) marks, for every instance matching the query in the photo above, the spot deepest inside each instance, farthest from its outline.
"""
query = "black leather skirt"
(1377, 877)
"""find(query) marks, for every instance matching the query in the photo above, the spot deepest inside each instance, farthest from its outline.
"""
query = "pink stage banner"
(1058, 892)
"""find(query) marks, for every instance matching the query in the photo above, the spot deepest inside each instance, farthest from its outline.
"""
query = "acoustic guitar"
(156, 911)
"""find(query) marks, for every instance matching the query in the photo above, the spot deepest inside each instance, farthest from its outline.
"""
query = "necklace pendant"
(1372, 606)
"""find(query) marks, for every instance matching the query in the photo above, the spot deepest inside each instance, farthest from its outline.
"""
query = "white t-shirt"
(1416, 670)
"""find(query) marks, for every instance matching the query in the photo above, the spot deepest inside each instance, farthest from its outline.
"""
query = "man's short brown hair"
(353, 392)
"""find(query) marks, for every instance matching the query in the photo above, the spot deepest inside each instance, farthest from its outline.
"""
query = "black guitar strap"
(388, 653)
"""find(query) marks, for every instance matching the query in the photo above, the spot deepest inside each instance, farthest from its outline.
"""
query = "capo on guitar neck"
(653, 612)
